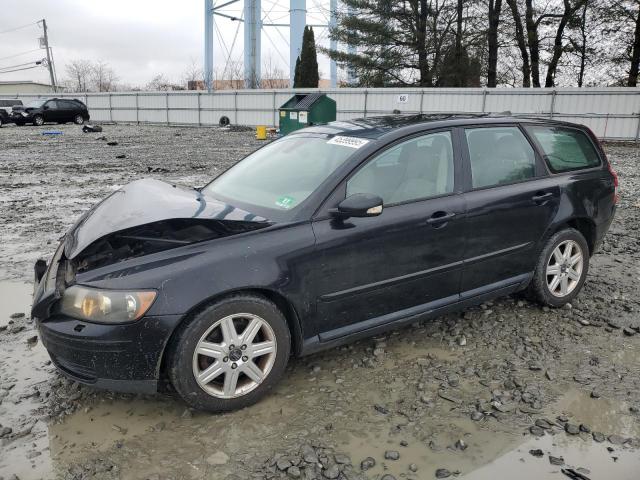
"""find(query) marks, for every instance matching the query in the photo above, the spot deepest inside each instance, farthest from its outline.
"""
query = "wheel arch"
(584, 225)
(284, 304)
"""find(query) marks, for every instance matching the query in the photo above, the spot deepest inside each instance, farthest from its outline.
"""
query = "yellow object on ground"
(261, 132)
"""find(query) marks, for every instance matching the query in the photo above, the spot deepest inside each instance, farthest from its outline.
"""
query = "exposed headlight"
(105, 306)
(24, 114)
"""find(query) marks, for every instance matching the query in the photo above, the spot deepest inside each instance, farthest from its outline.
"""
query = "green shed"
(303, 110)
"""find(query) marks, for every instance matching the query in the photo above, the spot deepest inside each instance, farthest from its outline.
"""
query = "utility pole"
(49, 56)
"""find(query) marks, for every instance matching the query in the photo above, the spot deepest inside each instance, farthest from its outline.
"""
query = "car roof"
(378, 126)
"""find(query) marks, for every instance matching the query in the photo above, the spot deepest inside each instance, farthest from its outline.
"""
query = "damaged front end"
(153, 238)
(141, 218)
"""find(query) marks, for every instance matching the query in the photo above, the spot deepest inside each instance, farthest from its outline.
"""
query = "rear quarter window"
(565, 149)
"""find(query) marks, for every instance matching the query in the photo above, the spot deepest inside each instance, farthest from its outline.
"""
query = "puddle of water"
(306, 405)
(490, 452)
(15, 297)
(25, 367)
(482, 445)
(99, 427)
(576, 454)
(602, 414)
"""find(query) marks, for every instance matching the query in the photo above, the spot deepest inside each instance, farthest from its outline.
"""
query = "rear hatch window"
(565, 149)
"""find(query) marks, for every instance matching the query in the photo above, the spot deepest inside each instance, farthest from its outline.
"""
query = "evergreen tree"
(459, 70)
(306, 72)
(296, 77)
(398, 43)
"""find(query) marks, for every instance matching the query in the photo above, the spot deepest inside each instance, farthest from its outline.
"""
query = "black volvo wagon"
(325, 236)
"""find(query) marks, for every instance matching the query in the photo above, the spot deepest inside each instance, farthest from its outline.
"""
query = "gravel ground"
(503, 390)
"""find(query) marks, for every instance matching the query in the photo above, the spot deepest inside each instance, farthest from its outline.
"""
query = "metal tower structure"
(253, 24)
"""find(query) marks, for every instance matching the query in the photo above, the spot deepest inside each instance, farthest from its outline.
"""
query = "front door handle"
(542, 198)
(440, 218)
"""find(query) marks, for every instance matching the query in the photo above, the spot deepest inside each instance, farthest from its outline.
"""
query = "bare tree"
(193, 72)
(103, 76)
(494, 10)
(624, 30)
(634, 69)
(230, 76)
(273, 75)
(522, 44)
(568, 13)
(162, 84)
(79, 74)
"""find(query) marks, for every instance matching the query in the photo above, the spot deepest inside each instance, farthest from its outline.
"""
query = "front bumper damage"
(116, 357)
(145, 217)
(122, 357)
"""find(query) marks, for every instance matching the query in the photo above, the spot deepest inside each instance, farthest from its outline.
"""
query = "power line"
(18, 28)
(19, 65)
(20, 69)
(20, 54)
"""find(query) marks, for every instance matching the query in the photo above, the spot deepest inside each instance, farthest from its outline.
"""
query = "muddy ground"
(503, 390)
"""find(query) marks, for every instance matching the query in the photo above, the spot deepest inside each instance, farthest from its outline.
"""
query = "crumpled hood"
(145, 202)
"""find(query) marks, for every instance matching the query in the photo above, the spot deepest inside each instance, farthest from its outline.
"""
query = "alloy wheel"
(234, 355)
(564, 268)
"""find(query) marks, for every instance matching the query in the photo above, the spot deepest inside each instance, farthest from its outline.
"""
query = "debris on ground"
(90, 128)
(460, 387)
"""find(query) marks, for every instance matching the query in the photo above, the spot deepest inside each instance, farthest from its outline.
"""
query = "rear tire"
(561, 269)
(38, 120)
(231, 354)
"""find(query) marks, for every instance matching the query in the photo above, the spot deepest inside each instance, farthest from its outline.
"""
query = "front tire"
(78, 119)
(561, 269)
(230, 354)
(38, 120)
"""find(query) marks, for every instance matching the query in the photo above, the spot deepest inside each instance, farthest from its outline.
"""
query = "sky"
(137, 38)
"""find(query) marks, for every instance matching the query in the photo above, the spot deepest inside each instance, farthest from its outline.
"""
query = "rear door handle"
(541, 198)
(439, 218)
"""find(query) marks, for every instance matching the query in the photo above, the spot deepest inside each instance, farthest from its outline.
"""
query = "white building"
(13, 87)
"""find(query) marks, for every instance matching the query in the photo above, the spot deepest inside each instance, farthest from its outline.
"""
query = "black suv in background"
(327, 235)
(6, 104)
(58, 110)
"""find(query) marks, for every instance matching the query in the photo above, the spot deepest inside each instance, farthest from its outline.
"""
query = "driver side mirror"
(45, 107)
(358, 205)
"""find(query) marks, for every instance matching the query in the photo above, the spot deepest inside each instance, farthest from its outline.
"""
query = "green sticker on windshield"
(285, 202)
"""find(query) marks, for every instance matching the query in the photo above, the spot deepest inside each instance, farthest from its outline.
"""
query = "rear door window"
(499, 155)
(565, 149)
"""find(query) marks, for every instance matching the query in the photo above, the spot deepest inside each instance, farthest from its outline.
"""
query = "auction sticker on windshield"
(285, 202)
(350, 142)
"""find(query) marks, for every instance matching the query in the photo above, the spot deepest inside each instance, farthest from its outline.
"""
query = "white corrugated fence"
(612, 113)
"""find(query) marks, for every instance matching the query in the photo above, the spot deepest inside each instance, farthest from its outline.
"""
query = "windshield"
(35, 103)
(283, 174)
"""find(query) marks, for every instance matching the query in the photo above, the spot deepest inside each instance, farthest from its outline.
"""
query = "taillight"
(613, 173)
